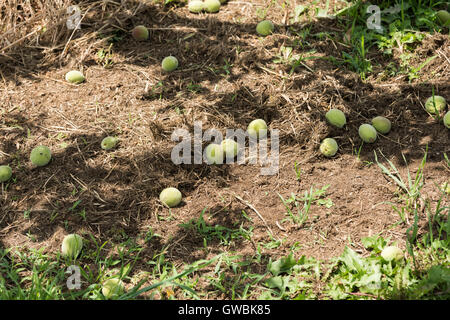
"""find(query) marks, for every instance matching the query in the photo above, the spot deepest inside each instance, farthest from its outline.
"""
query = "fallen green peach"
(109, 143)
(214, 153)
(140, 33)
(5, 173)
(447, 119)
(112, 288)
(195, 6)
(265, 27)
(212, 6)
(367, 133)
(75, 76)
(40, 156)
(230, 148)
(328, 147)
(171, 197)
(169, 63)
(392, 253)
(381, 124)
(443, 18)
(71, 246)
(336, 117)
(435, 105)
(257, 129)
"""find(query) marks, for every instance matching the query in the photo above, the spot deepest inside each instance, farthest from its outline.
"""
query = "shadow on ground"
(80, 191)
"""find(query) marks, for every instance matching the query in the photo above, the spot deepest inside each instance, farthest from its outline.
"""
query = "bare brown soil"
(135, 100)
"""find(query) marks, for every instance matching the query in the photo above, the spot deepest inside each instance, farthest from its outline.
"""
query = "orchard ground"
(227, 77)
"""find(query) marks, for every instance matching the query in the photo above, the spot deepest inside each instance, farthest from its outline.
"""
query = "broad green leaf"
(276, 282)
(352, 260)
(282, 265)
(375, 243)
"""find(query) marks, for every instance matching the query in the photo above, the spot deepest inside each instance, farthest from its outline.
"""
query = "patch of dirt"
(226, 78)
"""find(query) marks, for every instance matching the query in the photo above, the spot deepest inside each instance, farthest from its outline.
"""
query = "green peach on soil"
(336, 117)
(381, 124)
(328, 147)
(443, 18)
(140, 33)
(109, 143)
(230, 148)
(214, 153)
(71, 246)
(257, 129)
(435, 105)
(169, 63)
(171, 197)
(75, 76)
(40, 156)
(5, 173)
(447, 119)
(367, 133)
(391, 253)
(211, 6)
(265, 27)
(195, 6)
(112, 288)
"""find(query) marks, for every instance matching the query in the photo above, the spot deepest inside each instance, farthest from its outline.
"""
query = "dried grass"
(37, 29)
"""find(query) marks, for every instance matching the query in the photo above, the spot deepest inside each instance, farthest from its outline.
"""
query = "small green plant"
(287, 57)
(261, 13)
(302, 212)
(193, 87)
(447, 160)
(357, 60)
(413, 73)
(105, 57)
(299, 10)
(285, 278)
(370, 277)
(227, 67)
(298, 171)
(323, 13)
(167, 279)
(208, 232)
(411, 188)
(405, 25)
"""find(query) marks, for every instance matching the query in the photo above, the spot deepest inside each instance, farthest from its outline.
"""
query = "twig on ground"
(256, 211)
